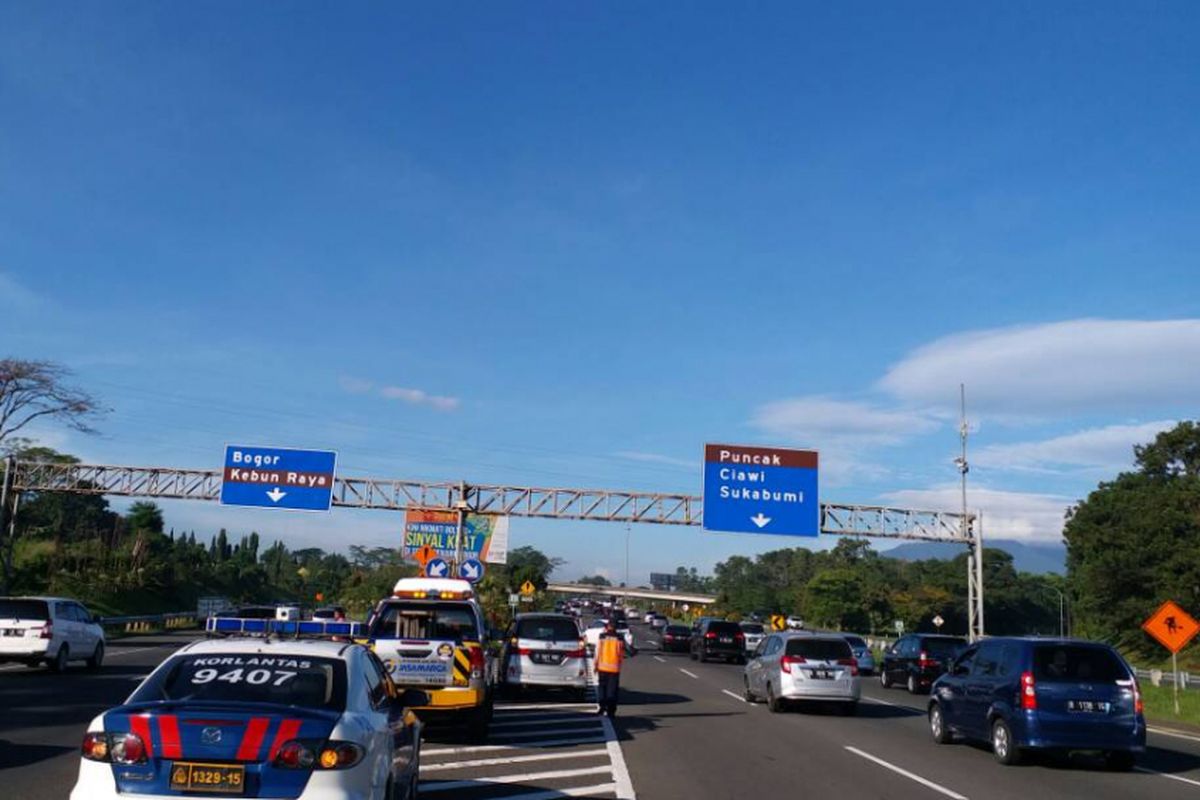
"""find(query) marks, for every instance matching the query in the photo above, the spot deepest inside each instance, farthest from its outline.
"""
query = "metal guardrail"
(146, 622)
(1158, 677)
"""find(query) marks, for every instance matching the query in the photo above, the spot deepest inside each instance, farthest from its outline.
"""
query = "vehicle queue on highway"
(330, 708)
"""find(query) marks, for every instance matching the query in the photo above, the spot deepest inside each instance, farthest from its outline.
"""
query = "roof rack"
(248, 626)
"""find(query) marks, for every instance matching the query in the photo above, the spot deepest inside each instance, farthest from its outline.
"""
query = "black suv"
(717, 638)
(916, 660)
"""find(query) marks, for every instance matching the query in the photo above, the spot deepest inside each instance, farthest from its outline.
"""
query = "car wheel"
(1003, 747)
(1120, 760)
(937, 725)
(97, 657)
(59, 664)
(774, 704)
(884, 680)
(913, 686)
(414, 785)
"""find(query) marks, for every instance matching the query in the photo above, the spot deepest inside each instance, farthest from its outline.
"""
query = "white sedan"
(307, 719)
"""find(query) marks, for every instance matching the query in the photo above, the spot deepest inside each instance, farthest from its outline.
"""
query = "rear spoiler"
(273, 627)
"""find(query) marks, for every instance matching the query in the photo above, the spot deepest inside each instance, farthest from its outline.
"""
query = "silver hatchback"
(545, 650)
(789, 667)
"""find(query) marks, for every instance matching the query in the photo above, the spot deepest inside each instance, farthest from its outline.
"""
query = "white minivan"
(49, 630)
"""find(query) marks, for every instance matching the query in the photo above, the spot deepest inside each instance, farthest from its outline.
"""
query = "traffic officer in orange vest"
(610, 653)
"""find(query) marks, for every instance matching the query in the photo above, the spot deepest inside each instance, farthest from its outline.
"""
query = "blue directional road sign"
(761, 490)
(278, 477)
(471, 570)
(437, 568)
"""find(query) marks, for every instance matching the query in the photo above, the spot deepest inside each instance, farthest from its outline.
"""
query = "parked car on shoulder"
(1024, 694)
(49, 630)
(788, 667)
(916, 660)
(545, 650)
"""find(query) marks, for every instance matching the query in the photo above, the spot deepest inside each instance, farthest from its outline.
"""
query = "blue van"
(1045, 694)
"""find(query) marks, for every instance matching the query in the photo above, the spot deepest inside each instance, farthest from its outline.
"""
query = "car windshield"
(417, 620)
(249, 678)
(819, 649)
(723, 628)
(547, 629)
(943, 648)
(752, 627)
(1072, 663)
(24, 609)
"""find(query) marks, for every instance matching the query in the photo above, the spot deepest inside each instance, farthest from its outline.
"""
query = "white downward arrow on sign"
(760, 520)
(276, 495)
(437, 569)
(470, 570)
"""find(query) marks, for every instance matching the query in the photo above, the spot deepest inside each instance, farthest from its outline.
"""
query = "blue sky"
(567, 244)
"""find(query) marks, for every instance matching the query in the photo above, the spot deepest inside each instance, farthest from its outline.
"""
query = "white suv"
(50, 630)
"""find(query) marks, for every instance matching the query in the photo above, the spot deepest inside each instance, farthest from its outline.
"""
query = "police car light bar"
(264, 627)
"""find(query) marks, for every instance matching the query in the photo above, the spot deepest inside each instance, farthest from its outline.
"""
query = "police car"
(259, 717)
(430, 635)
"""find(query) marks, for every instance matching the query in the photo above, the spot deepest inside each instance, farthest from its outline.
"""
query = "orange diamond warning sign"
(1172, 626)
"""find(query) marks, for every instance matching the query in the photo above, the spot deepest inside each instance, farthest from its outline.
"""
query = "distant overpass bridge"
(646, 594)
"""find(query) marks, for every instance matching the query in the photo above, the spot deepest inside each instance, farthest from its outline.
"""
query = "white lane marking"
(1176, 734)
(442, 786)
(526, 723)
(554, 794)
(492, 762)
(737, 697)
(689, 674)
(119, 653)
(510, 707)
(910, 775)
(576, 729)
(660, 659)
(624, 784)
(886, 703)
(1179, 778)
(487, 748)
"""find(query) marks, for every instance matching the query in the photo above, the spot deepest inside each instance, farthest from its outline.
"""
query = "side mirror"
(411, 698)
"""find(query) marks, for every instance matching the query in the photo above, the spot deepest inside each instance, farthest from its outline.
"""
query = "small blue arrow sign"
(437, 568)
(471, 570)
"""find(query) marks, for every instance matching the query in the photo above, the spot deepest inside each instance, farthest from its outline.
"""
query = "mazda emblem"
(210, 735)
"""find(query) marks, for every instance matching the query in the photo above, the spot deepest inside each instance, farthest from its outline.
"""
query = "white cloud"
(843, 431)
(820, 420)
(1109, 448)
(418, 397)
(355, 385)
(656, 458)
(1061, 367)
(15, 295)
(1022, 516)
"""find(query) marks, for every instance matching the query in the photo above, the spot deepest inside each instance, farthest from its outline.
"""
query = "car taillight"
(95, 746)
(524, 651)
(295, 755)
(786, 662)
(851, 663)
(924, 661)
(127, 748)
(710, 635)
(1028, 692)
(339, 755)
(475, 654)
(580, 653)
(739, 635)
(1138, 706)
(47, 631)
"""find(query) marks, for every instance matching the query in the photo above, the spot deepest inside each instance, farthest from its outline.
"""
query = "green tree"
(595, 580)
(1135, 542)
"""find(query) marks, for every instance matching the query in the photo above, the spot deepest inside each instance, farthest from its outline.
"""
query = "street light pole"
(627, 529)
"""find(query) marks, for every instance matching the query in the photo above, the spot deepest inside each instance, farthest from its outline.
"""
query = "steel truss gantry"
(514, 501)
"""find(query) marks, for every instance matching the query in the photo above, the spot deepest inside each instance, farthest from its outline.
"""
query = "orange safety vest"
(610, 651)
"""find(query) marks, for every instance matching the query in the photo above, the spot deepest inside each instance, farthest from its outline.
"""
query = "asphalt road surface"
(683, 731)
